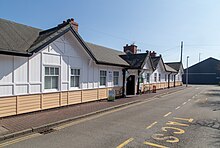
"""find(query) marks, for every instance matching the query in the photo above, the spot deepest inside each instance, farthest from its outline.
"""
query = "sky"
(154, 25)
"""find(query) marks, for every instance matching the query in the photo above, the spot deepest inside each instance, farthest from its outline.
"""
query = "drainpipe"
(169, 80)
(123, 87)
(174, 81)
(138, 85)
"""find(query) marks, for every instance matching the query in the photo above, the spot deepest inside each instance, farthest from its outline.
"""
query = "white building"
(56, 67)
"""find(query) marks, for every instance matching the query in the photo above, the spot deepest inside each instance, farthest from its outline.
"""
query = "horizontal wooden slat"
(89, 95)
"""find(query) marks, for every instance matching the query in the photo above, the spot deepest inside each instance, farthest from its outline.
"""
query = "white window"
(148, 77)
(102, 78)
(165, 77)
(116, 77)
(51, 78)
(155, 77)
(75, 77)
(159, 78)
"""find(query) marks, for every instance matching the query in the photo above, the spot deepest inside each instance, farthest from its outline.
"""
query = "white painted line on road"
(193, 97)
(184, 103)
(151, 125)
(178, 107)
(19, 139)
(206, 99)
(167, 114)
(189, 100)
(125, 143)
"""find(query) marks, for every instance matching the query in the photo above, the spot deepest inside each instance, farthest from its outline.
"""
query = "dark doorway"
(130, 87)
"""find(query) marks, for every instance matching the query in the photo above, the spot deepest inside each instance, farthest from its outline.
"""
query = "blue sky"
(158, 25)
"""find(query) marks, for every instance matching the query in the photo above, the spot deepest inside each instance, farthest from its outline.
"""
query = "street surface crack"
(215, 124)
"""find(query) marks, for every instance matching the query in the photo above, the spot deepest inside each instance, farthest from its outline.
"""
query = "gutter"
(16, 53)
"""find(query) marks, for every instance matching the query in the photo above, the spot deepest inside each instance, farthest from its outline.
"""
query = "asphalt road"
(188, 118)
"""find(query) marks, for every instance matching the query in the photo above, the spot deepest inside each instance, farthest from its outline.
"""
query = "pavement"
(41, 121)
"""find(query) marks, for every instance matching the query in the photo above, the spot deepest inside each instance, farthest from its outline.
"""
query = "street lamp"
(187, 71)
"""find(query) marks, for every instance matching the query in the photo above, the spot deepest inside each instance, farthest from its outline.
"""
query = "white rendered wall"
(22, 75)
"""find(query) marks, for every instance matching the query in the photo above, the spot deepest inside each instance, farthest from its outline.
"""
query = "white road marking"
(184, 103)
(178, 107)
(167, 114)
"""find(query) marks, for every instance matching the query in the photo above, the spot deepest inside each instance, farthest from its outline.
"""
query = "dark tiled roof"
(155, 61)
(135, 60)
(175, 65)
(16, 37)
(21, 38)
(107, 55)
(169, 69)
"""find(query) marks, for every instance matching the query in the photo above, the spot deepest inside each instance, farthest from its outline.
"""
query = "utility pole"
(187, 71)
(181, 56)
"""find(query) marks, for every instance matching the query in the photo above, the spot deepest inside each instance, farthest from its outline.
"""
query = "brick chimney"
(153, 54)
(74, 24)
(130, 49)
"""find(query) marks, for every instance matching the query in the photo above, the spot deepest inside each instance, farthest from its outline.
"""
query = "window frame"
(72, 75)
(51, 75)
(103, 77)
(155, 77)
(159, 77)
(116, 77)
(148, 77)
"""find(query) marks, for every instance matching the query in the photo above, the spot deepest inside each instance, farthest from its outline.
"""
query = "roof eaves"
(15, 53)
(112, 64)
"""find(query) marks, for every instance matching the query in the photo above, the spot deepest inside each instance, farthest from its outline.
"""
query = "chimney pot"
(74, 24)
(153, 53)
(130, 49)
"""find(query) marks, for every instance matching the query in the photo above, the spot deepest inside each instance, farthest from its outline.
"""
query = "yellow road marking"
(125, 143)
(151, 125)
(161, 137)
(19, 140)
(184, 103)
(167, 114)
(184, 119)
(176, 123)
(178, 130)
(155, 145)
(178, 107)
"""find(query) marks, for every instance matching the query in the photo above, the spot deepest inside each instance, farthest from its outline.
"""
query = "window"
(165, 77)
(171, 77)
(75, 77)
(148, 77)
(159, 78)
(116, 77)
(155, 77)
(51, 78)
(102, 78)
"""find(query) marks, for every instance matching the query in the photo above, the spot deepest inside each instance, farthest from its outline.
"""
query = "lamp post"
(187, 71)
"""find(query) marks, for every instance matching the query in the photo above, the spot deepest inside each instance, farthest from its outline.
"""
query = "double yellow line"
(19, 140)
